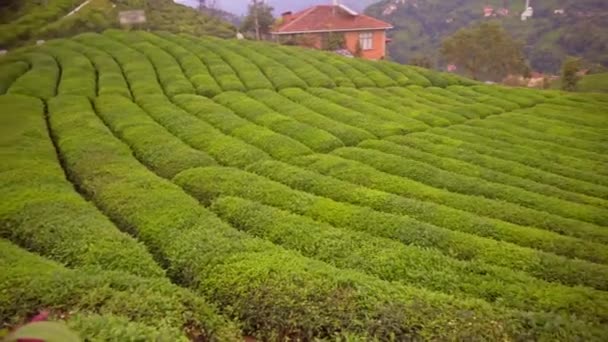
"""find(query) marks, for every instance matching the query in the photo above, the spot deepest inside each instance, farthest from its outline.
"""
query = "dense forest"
(557, 29)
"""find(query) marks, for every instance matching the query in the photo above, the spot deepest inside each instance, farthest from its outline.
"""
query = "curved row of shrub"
(190, 64)
(78, 76)
(484, 98)
(223, 74)
(545, 211)
(202, 252)
(358, 78)
(510, 130)
(277, 145)
(169, 72)
(479, 156)
(399, 78)
(9, 72)
(306, 71)
(348, 134)
(445, 111)
(41, 210)
(280, 76)
(110, 77)
(459, 184)
(584, 115)
(107, 306)
(138, 70)
(336, 75)
(449, 159)
(209, 183)
(520, 154)
(372, 72)
(200, 134)
(366, 108)
(247, 107)
(40, 80)
(388, 104)
(150, 142)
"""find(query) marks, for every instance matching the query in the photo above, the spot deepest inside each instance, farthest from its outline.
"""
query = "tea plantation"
(164, 187)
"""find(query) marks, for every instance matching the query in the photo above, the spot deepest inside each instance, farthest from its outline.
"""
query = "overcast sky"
(280, 6)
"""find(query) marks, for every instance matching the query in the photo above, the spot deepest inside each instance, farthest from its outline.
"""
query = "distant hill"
(24, 21)
(557, 29)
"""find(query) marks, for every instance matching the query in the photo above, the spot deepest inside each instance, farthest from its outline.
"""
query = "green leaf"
(45, 331)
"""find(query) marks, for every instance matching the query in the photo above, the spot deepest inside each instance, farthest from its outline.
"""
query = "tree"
(484, 51)
(570, 77)
(259, 19)
(421, 61)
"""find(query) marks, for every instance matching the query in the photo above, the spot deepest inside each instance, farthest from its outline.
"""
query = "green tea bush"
(306, 71)
(199, 134)
(393, 261)
(206, 184)
(407, 95)
(42, 78)
(423, 163)
(348, 134)
(370, 69)
(508, 94)
(100, 305)
(468, 92)
(413, 75)
(11, 71)
(366, 108)
(397, 76)
(470, 111)
(336, 112)
(42, 212)
(257, 112)
(78, 76)
(138, 70)
(151, 142)
(358, 78)
(202, 252)
(190, 64)
(277, 145)
(434, 77)
(383, 104)
(334, 73)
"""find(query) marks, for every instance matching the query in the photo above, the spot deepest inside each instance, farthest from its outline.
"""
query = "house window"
(366, 40)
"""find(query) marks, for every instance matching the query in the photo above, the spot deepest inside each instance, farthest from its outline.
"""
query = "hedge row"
(108, 306)
(348, 134)
(78, 75)
(370, 69)
(11, 71)
(376, 126)
(365, 108)
(40, 209)
(397, 76)
(426, 107)
(280, 76)
(218, 68)
(384, 103)
(306, 71)
(356, 103)
(413, 76)
(584, 117)
(190, 64)
(554, 128)
(406, 93)
(509, 94)
(342, 64)
(209, 183)
(250, 74)
(199, 134)
(275, 294)
(574, 147)
(277, 145)
(151, 142)
(456, 160)
(416, 266)
(110, 77)
(169, 72)
(524, 236)
(42, 78)
(335, 74)
(520, 154)
(138, 70)
(257, 112)
(470, 111)
(469, 152)
(564, 217)
(468, 92)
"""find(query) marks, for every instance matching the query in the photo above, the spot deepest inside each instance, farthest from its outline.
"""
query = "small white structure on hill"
(528, 12)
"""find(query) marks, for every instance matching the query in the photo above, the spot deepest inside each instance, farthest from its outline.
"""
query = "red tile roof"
(327, 18)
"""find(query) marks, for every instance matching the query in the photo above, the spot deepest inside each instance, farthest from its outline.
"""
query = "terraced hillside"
(165, 186)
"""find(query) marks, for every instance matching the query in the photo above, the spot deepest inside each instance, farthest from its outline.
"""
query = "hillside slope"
(421, 25)
(25, 21)
(175, 184)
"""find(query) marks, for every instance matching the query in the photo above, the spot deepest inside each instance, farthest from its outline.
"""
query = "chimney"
(287, 17)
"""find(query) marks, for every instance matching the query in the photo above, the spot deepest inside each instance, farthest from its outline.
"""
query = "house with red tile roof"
(319, 26)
